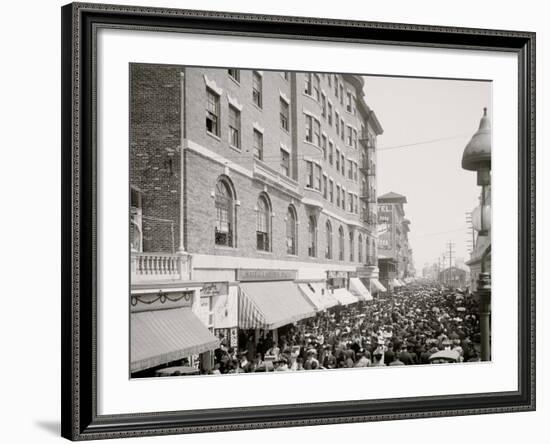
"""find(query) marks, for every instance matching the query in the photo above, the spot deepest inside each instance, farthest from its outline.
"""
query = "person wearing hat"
(406, 356)
(378, 357)
(311, 362)
(389, 354)
(330, 360)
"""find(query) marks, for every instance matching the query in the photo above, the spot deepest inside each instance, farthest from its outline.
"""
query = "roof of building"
(392, 197)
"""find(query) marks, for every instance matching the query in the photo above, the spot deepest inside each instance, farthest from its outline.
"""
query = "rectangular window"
(316, 87)
(355, 138)
(349, 102)
(356, 204)
(350, 198)
(329, 79)
(309, 174)
(343, 164)
(330, 153)
(286, 75)
(343, 199)
(325, 187)
(317, 130)
(235, 74)
(355, 168)
(336, 85)
(342, 129)
(318, 175)
(350, 169)
(329, 112)
(257, 89)
(350, 135)
(284, 114)
(341, 94)
(212, 112)
(309, 128)
(324, 106)
(338, 160)
(258, 145)
(234, 127)
(307, 84)
(331, 191)
(285, 163)
(324, 146)
(337, 195)
(337, 122)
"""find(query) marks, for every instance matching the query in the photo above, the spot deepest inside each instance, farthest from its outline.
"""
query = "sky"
(439, 192)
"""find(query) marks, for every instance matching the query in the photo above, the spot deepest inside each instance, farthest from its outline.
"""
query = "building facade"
(394, 252)
(245, 177)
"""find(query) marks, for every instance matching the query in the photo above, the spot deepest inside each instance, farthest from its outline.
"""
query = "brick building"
(251, 176)
(394, 253)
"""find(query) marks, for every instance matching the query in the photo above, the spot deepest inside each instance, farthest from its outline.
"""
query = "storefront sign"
(214, 289)
(253, 274)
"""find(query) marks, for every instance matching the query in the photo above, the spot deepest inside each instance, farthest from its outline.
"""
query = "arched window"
(341, 243)
(263, 223)
(360, 249)
(351, 249)
(224, 231)
(312, 230)
(328, 230)
(291, 231)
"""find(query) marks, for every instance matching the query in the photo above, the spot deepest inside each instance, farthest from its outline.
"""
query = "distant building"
(394, 253)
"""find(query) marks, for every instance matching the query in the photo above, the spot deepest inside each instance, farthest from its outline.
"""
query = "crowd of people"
(407, 327)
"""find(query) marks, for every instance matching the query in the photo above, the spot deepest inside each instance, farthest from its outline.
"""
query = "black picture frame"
(79, 395)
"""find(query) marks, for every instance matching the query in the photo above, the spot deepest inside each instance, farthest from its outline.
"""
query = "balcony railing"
(368, 195)
(160, 267)
(368, 168)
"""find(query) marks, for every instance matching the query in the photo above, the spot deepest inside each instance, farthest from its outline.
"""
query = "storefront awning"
(396, 283)
(357, 288)
(162, 336)
(344, 296)
(401, 282)
(271, 305)
(377, 286)
(318, 295)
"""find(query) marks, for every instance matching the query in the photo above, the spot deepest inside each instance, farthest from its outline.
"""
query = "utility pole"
(450, 246)
(471, 229)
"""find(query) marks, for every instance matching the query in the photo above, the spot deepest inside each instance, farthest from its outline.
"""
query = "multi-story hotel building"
(253, 198)
(394, 253)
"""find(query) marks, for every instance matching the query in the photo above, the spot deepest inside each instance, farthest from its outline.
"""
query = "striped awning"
(377, 286)
(318, 295)
(270, 305)
(357, 288)
(161, 336)
(344, 296)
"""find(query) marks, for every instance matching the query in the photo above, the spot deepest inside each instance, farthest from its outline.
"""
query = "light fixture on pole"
(477, 157)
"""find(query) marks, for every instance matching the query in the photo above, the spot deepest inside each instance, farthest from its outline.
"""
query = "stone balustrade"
(150, 266)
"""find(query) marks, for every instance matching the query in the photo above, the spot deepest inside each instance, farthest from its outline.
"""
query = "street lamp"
(477, 157)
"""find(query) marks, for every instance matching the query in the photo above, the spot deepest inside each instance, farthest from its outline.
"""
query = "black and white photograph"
(286, 221)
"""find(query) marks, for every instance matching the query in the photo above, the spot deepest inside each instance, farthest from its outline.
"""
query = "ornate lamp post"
(477, 157)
